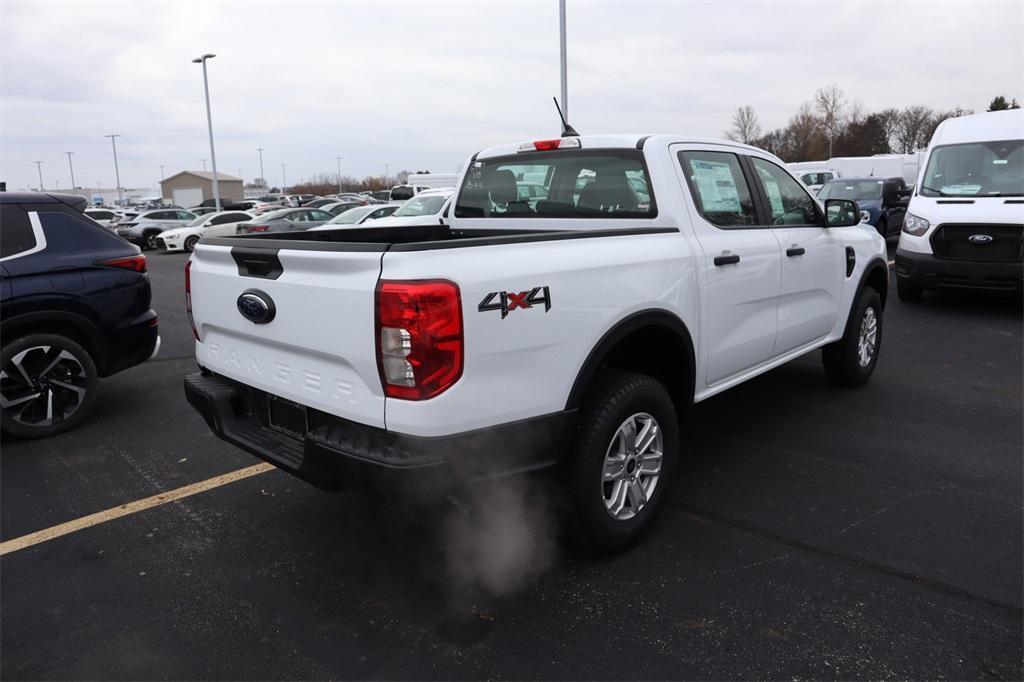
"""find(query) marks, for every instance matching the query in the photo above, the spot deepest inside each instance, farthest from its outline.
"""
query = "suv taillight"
(188, 298)
(419, 337)
(133, 263)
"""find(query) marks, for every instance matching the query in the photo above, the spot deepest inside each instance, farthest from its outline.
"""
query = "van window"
(559, 184)
(719, 188)
(991, 169)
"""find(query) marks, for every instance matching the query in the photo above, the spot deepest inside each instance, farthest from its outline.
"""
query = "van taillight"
(133, 263)
(188, 298)
(419, 337)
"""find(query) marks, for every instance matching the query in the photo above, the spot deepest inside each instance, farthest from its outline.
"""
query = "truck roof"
(991, 125)
(616, 141)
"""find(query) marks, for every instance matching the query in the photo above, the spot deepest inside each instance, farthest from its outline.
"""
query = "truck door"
(813, 257)
(742, 261)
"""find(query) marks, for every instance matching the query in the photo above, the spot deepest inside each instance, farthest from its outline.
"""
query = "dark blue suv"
(882, 201)
(74, 306)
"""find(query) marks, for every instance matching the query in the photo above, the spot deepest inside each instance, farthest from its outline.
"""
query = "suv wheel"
(190, 243)
(851, 360)
(47, 385)
(150, 240)
(625, 453)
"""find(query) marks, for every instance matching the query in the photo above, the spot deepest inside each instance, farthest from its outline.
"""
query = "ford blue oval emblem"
(980, 238)
(256, 306)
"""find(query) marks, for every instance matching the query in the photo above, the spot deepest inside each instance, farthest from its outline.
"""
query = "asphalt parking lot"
(812, 533)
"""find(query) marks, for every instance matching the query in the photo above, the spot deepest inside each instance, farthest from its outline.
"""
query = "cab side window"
(788, 200)
(719, 188)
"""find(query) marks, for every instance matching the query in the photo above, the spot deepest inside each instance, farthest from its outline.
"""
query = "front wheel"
(149, 241)
(851, 360)
(625, 452)
(47, 385)
(190, 243)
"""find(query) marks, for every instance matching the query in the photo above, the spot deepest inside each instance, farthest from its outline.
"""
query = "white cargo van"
(964, 224)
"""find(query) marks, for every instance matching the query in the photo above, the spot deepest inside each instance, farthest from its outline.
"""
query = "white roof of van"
(991, 125)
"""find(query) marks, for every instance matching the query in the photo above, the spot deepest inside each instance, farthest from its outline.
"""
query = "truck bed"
(411, 238)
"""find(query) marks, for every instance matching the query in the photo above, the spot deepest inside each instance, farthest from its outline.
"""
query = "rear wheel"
(625, 453)
(851, 360)
(907, 292)
(190, 243)
(150, 240)
(47, 385)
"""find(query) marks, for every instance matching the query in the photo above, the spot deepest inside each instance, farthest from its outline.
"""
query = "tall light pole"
(284, 181)
(262, 176)
(162, 176)
(72, 169)
(338, 159)
(39, 167)
(203, 161)
(117, 174)
(565, 73)
(209, 124)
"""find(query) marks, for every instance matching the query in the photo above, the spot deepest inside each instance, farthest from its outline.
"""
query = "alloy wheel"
(868, 337)
(42, 386)
(632, 466)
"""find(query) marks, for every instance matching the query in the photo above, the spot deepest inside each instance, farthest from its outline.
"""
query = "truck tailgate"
(318, 350)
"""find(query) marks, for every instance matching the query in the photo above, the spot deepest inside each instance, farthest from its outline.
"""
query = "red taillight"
(259, 228)
(419, 337)
(133, 263)
(546, 145)
(549, 145)
(188, 297)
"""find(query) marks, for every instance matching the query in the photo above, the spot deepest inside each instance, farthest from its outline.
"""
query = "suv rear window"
(16, 235)
(607, 183)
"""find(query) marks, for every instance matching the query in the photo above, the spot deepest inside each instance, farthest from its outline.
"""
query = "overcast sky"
(422, 85)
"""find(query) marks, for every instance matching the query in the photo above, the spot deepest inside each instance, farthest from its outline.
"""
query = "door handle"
(727, 260)
(795, 251)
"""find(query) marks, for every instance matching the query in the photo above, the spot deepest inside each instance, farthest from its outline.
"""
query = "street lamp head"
(200, 60)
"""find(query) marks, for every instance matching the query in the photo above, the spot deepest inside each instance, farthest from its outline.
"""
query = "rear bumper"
(336, 453)
(929, 272)
(134, 343)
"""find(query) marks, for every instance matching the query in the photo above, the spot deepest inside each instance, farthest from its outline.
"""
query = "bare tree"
(745, 126)
(803, 136)
(890, 120)
(830, 103)
(912, 128)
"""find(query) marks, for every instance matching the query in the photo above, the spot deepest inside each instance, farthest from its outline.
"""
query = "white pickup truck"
(570, 329)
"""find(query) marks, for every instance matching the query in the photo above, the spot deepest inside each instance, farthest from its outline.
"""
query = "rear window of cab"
(605, 183)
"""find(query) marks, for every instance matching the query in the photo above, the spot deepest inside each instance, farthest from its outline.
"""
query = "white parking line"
(131, 508)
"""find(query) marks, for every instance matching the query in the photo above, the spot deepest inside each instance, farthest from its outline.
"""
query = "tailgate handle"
(262, 263)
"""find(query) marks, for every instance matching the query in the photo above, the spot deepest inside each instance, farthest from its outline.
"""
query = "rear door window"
(16, 234)
(606, 183)
(719, 188)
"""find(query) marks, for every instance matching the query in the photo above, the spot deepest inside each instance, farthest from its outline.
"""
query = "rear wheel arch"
(652, 342)
(73, 326)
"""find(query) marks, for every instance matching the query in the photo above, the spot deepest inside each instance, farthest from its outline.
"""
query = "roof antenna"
(567, 130)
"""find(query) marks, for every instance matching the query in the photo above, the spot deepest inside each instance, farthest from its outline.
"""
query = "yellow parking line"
(131, 508)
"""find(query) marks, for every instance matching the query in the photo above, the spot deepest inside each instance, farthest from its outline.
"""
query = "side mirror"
(841, 213)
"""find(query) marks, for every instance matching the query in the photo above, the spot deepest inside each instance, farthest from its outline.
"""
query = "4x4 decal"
(507, 301)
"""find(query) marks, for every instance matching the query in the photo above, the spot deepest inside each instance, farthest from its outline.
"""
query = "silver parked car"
(285, 220)
(143, 229)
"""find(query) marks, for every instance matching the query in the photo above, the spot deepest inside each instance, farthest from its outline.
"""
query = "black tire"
(883, 228)
(190, 244)
(907, 292)
(60, 372)
(149, 240)
(617, 397)
(843, 360)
